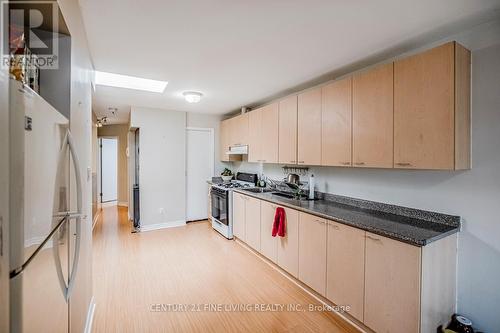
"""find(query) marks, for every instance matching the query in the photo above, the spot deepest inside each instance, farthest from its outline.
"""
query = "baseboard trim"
(122, 203)
(90, 316)
(157, 226)
(299, 284)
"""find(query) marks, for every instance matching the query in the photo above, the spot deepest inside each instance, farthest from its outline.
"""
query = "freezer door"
(37, 288)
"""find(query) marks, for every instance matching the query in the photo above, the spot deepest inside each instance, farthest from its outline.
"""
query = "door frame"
(211, 161)
(99, 166)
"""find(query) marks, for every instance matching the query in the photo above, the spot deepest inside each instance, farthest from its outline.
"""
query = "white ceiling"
(240, 52)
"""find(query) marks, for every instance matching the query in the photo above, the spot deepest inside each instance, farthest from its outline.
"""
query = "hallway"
(189, 265)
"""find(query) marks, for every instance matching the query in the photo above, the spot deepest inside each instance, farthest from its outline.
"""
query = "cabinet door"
(309, 127)
(239, 215)
(269, 134)
(239, 130)
(392, 285)
(312, 252)
(254, 136)
(372, 117)
(288, 246)
(243, 128)
(346, 267)
(336, 130)
(287, 130)
(252, 222)
(268, 243)
(424, 124)
(224, 140)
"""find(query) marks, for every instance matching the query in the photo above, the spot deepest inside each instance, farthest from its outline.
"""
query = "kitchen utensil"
(293, 178)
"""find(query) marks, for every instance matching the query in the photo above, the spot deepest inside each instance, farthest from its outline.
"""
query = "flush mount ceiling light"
(129, 82)
(192, 96)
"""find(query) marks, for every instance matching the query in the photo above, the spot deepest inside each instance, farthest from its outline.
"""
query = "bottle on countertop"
(311, 187)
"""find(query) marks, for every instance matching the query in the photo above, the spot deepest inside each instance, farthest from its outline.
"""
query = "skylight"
(129, 82)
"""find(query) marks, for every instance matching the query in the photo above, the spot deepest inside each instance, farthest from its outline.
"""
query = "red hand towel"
(279, 227)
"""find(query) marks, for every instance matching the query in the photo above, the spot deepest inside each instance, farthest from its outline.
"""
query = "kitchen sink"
(284, 195)
(257, 190)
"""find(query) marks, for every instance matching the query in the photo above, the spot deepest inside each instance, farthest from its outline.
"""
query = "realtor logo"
(30, 34)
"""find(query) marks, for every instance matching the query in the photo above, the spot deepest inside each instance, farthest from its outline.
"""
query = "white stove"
(222, 202)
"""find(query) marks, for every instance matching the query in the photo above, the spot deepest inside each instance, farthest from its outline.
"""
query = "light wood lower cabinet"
(345, 282)
(239, 224)
(252, 222)
(288, 246)
(268, 243)
(392, 285)
(312, 252)
(281, 250)
(389, 285)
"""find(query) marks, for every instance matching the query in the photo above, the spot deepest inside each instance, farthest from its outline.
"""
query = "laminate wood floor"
(137, 275)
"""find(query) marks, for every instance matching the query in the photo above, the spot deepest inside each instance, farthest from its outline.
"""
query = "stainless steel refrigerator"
(45, 213)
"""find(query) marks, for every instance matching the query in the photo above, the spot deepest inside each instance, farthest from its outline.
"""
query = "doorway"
(199, 169)
(109, 169)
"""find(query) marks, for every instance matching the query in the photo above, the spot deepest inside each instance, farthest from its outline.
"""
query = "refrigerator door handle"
(67, 289)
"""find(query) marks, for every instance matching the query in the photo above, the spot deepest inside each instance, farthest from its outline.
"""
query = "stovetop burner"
(234, 185)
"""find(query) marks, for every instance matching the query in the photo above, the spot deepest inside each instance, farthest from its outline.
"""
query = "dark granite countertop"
(412, 226)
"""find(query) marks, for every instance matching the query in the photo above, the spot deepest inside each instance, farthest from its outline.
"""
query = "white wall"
(472, 194)
(209, 121)
(162, 163)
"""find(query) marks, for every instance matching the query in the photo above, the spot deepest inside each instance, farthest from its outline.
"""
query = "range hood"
(238, 150)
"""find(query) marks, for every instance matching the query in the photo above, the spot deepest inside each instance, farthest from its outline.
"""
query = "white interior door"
(200, 168)
(109, 169)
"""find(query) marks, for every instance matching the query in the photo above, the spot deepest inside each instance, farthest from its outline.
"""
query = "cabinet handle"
(345, 163)
(373, 238)
(301, 162)
(293, 162)
(336, 227)
(360, 163)
(320, 221)
(403, 164)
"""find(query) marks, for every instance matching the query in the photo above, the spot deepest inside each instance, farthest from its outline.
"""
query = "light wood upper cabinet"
(372, 117)
(238, 133)
(239, 215)
(225, 127)
(336, 129)
(252, 222)
(346, 267)
(312, 252)
(432, 109)
(268, 243)
(224, 140)
(287, 130)
(269, 138)
(254, 136)
(309, 127)
(263, 134)
(392, 285)
(288, 246)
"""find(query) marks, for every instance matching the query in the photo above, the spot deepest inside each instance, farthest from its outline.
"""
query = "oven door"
(220, 205)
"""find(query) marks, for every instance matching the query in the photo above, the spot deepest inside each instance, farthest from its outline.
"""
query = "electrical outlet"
(161, 211)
